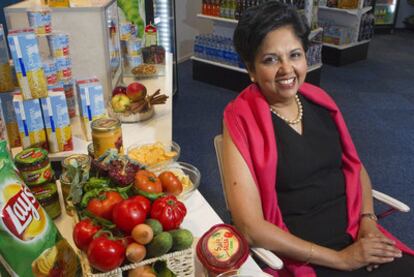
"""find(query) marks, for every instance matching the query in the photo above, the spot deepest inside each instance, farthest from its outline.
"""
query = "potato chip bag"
(30, 244)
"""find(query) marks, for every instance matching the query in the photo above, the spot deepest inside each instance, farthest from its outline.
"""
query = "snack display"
(26, 228)
(6, 77)
(40, 19)
(57, 123)
(30, 122)
(154, 154)
(27, 61)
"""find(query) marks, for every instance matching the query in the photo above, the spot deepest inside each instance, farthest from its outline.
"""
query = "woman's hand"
(368, 251)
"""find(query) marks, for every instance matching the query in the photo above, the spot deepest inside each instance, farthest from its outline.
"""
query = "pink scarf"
(250, 126)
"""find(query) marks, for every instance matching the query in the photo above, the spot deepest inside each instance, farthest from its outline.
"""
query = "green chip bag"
(30, 244)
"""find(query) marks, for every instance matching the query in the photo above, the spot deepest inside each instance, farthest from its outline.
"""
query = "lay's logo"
(21, 215)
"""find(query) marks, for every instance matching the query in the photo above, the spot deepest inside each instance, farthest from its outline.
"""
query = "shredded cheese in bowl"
(154, 154)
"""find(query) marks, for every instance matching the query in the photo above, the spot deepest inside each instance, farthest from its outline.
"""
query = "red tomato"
(105, 254)
(83, 233)
(170, 183)
(127, 214)
(145, 202)
(169, 212)
(103, 205)
(147, 181)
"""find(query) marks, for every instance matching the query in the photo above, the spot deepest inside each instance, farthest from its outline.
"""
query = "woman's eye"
(296, 55)
(269, 60)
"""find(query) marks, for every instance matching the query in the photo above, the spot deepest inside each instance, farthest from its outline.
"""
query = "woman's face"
(280, 65)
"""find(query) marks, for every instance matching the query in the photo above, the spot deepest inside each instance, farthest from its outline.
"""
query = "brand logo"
(20, 211)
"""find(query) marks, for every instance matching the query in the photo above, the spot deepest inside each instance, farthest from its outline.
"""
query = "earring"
(252, 79)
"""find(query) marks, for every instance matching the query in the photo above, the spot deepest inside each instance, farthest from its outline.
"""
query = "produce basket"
(181, 263)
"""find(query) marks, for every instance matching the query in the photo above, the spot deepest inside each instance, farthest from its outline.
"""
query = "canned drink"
(125, 31)
(40, 19)
(134, 46)
(106, 134)
(58, 44)
(50, 70)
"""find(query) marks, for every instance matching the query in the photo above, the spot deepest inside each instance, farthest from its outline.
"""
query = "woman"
(293, 179)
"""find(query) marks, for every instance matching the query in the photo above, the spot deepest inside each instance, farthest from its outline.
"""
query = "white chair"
(269, 257)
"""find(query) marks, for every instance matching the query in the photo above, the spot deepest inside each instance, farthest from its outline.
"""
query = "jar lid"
(30, 157)
(222, 248)
(44, 192)
(105, 124)
(81, 159)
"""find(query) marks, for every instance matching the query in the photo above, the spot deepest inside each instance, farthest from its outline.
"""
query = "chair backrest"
(218, 141)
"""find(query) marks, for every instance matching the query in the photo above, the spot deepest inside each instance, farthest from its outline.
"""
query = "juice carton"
(30, 122)
(6, 78)
(91, 103)
(10, 119)
(57, 122)
(3, 128)
(28, 64)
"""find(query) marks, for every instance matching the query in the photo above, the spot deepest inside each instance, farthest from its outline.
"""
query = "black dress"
(311, 188)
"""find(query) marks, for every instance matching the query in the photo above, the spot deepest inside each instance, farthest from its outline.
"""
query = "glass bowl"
(154, 155)
(188, 174)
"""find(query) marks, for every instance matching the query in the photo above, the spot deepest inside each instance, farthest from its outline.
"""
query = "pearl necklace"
(289, 121)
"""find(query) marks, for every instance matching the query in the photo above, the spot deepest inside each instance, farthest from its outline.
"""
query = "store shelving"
(217, 18)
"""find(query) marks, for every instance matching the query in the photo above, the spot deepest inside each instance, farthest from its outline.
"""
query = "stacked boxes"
(30, 122)
(3, 130)
(28, 64)
(57, 122)
(91, 103)
(6, 77)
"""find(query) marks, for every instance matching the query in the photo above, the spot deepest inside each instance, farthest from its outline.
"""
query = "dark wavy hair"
(256, 22)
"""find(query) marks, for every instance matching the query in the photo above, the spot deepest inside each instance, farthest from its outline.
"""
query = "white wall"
(404, 10)
(188, 26)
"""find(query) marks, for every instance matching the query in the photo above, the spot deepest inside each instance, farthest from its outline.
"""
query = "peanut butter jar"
(106, 134)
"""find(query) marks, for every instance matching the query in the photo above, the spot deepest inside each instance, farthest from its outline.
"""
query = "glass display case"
(386, 13)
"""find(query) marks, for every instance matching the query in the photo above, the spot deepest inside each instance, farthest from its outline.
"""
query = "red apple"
(119, 90)
(136, 91)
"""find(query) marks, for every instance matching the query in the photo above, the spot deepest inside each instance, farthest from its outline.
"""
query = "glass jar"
(34, 166)
(106, 134)
(83, 161)
(48, 197)
(65, 185)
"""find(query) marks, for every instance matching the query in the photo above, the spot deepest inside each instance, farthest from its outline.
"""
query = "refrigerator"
(385, 12)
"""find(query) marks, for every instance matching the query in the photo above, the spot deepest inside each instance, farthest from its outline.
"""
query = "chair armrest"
(268, 257)
(390, 201)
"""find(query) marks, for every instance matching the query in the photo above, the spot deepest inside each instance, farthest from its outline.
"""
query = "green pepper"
(149, 195)
(96, 183)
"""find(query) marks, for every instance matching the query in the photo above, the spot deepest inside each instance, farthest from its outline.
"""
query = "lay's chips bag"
(30, 244)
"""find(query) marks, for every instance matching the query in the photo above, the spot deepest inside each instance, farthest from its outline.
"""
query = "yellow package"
(10, 119)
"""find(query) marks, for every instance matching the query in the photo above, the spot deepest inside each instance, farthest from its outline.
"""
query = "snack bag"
(30, 244)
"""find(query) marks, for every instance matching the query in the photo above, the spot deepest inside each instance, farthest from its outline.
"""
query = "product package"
(91, 103)
(57, 122)
(30, 122)
(28, 64)
(3, 128)
(6, 77)
(10, 119)
(30, 245)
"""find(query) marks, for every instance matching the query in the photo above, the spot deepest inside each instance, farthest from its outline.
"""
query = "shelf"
(345, 46)
(217, 18)
(355, 12)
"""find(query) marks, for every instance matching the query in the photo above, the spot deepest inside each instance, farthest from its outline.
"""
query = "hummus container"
(48, 197)
(34, 166)
(222, 248)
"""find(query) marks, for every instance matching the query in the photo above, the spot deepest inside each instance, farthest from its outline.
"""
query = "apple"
(120, 103)
(136, 91)
(119, 90)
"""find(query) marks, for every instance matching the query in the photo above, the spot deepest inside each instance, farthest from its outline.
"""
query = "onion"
(135, 252)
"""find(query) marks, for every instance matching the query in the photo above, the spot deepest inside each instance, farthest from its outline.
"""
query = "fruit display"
(130, 215)
(133, 103)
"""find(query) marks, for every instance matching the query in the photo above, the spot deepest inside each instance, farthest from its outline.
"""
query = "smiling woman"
(288, 153)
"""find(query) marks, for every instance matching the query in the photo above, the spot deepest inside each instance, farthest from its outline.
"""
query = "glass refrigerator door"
(113, 39)
(385, 11)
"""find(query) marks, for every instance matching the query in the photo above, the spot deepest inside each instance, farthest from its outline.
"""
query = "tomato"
(83, 233)
(103, 205)
(105, 254)
(170, 183)
(169, 212)
(127, 214)
(147, 181)
(144, 202)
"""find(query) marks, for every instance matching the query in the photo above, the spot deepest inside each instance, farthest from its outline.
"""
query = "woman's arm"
(246, 209)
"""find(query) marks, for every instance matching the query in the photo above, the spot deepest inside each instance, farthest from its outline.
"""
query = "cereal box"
(6, 78)
(30, 122)
(28, 64)
(57, 122)
(10, 119)
(31, 245)
(91, 103)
